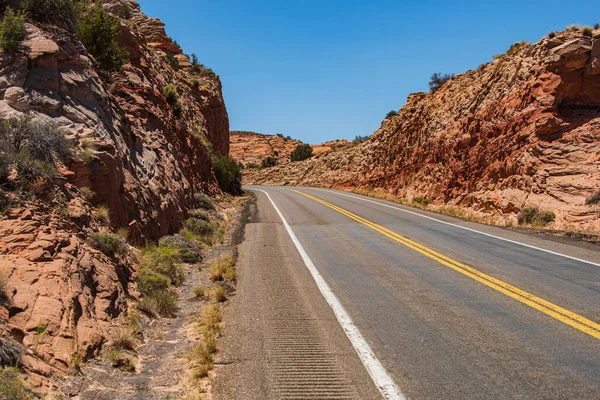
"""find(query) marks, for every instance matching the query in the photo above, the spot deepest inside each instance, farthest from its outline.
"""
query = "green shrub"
(63, 13)
(186, 250)
(151, 282)
(172, 61)
(269, 162)
(11, 386)
(392, 113)
(253, 165)
(199, 213)
(203, 201)
(97, 31)
(199, 226)
(12, 30)
(301, 152)
(517, 46)
(46, 142)
(162, 260)
(422, 200)
(30, 170)
(173, 99)
(228, 173)
(596, 26)
(544, 217)
(587, 31)
(437, 80)
(166, 303)
(552, 35)
(108, 243)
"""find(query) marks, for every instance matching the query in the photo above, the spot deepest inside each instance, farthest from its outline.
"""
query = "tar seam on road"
(565, 316)
(465, 228)
(381, 378)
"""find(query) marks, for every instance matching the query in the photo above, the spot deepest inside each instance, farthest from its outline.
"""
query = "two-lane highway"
(452, 309)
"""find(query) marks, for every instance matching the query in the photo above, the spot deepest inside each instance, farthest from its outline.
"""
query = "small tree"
(270, 161)
(228, 173)
(97, 31)
(12, 30)
(392, 113)
(437, 80)
(301, 152)
(63, 13)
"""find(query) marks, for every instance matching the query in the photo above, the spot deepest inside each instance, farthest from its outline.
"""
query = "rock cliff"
(521, 130)
(134, 154)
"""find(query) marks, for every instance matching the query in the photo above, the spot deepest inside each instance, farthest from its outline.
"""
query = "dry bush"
(223, 268)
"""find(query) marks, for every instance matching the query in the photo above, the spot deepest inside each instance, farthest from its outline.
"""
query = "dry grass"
(199, 292)
(211, 318)
(219, 294)
(202, 354)
(87, 193)
(102, 214)
(121, 360)
(123, 339)
(223, 268)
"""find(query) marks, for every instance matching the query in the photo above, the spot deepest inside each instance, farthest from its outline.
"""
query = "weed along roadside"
(168, 342)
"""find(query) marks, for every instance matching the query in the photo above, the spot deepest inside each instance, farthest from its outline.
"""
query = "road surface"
(355, 294)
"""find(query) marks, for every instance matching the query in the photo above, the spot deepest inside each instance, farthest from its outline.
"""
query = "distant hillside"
(252, 148)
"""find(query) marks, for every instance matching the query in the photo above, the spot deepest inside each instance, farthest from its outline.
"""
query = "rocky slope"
(132, 155)
(521, 130)
(252, 148)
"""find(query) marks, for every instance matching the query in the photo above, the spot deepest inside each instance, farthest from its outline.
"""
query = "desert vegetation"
(531, 215)
(12, 30)
(301, 152)
(437, 80)
(227, 171)
(268, 162)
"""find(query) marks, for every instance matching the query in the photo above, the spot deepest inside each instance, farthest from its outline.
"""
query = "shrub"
(532, 215)
(97, 31)
(587, 31)
(171, 95)
(162, 260)
(166, 303)
(200, 214)
(150, 282)
(186, 250)
(199, 226)
(10, 353)
(30, 170)
(12, 30)
(593, 199)
(228, 173)
(301, 152)
(121, 360)
(63, 13)
(437, 80)
(11, 386)
(253, 165)
(172, 61)
(552, 35)
(517, 46)
(269, 162)
(87, 193)
(108, 243)
(3, 290)
(360, 139)
(422, 200)
(392, 113)
(203, 201)
(596, 26)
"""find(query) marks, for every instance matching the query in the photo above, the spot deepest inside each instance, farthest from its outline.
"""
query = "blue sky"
(325, 69)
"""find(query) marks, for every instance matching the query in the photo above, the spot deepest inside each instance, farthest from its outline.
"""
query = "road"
(448, 309)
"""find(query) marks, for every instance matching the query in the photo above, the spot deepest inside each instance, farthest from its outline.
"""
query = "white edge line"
(461, 227)
(379, 375)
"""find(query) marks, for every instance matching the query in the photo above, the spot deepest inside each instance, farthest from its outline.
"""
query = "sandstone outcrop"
(133, 155)
(521, 130)
(252, 148)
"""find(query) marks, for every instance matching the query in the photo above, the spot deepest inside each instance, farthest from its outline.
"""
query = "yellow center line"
(565, 316)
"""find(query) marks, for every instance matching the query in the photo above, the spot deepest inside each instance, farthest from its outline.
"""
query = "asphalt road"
(450, 313)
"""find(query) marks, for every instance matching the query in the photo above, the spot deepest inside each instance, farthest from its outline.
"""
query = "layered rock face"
(138, 159)
(252, 148)
(521, 130)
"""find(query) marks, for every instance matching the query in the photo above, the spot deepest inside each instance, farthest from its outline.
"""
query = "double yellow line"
(565, 316)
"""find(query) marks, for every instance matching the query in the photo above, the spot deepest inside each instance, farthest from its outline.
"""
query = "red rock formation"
(521, 130)
(252, 148)
(143, 163)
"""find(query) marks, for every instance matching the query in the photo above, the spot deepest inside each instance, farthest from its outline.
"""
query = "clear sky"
(324, 69)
